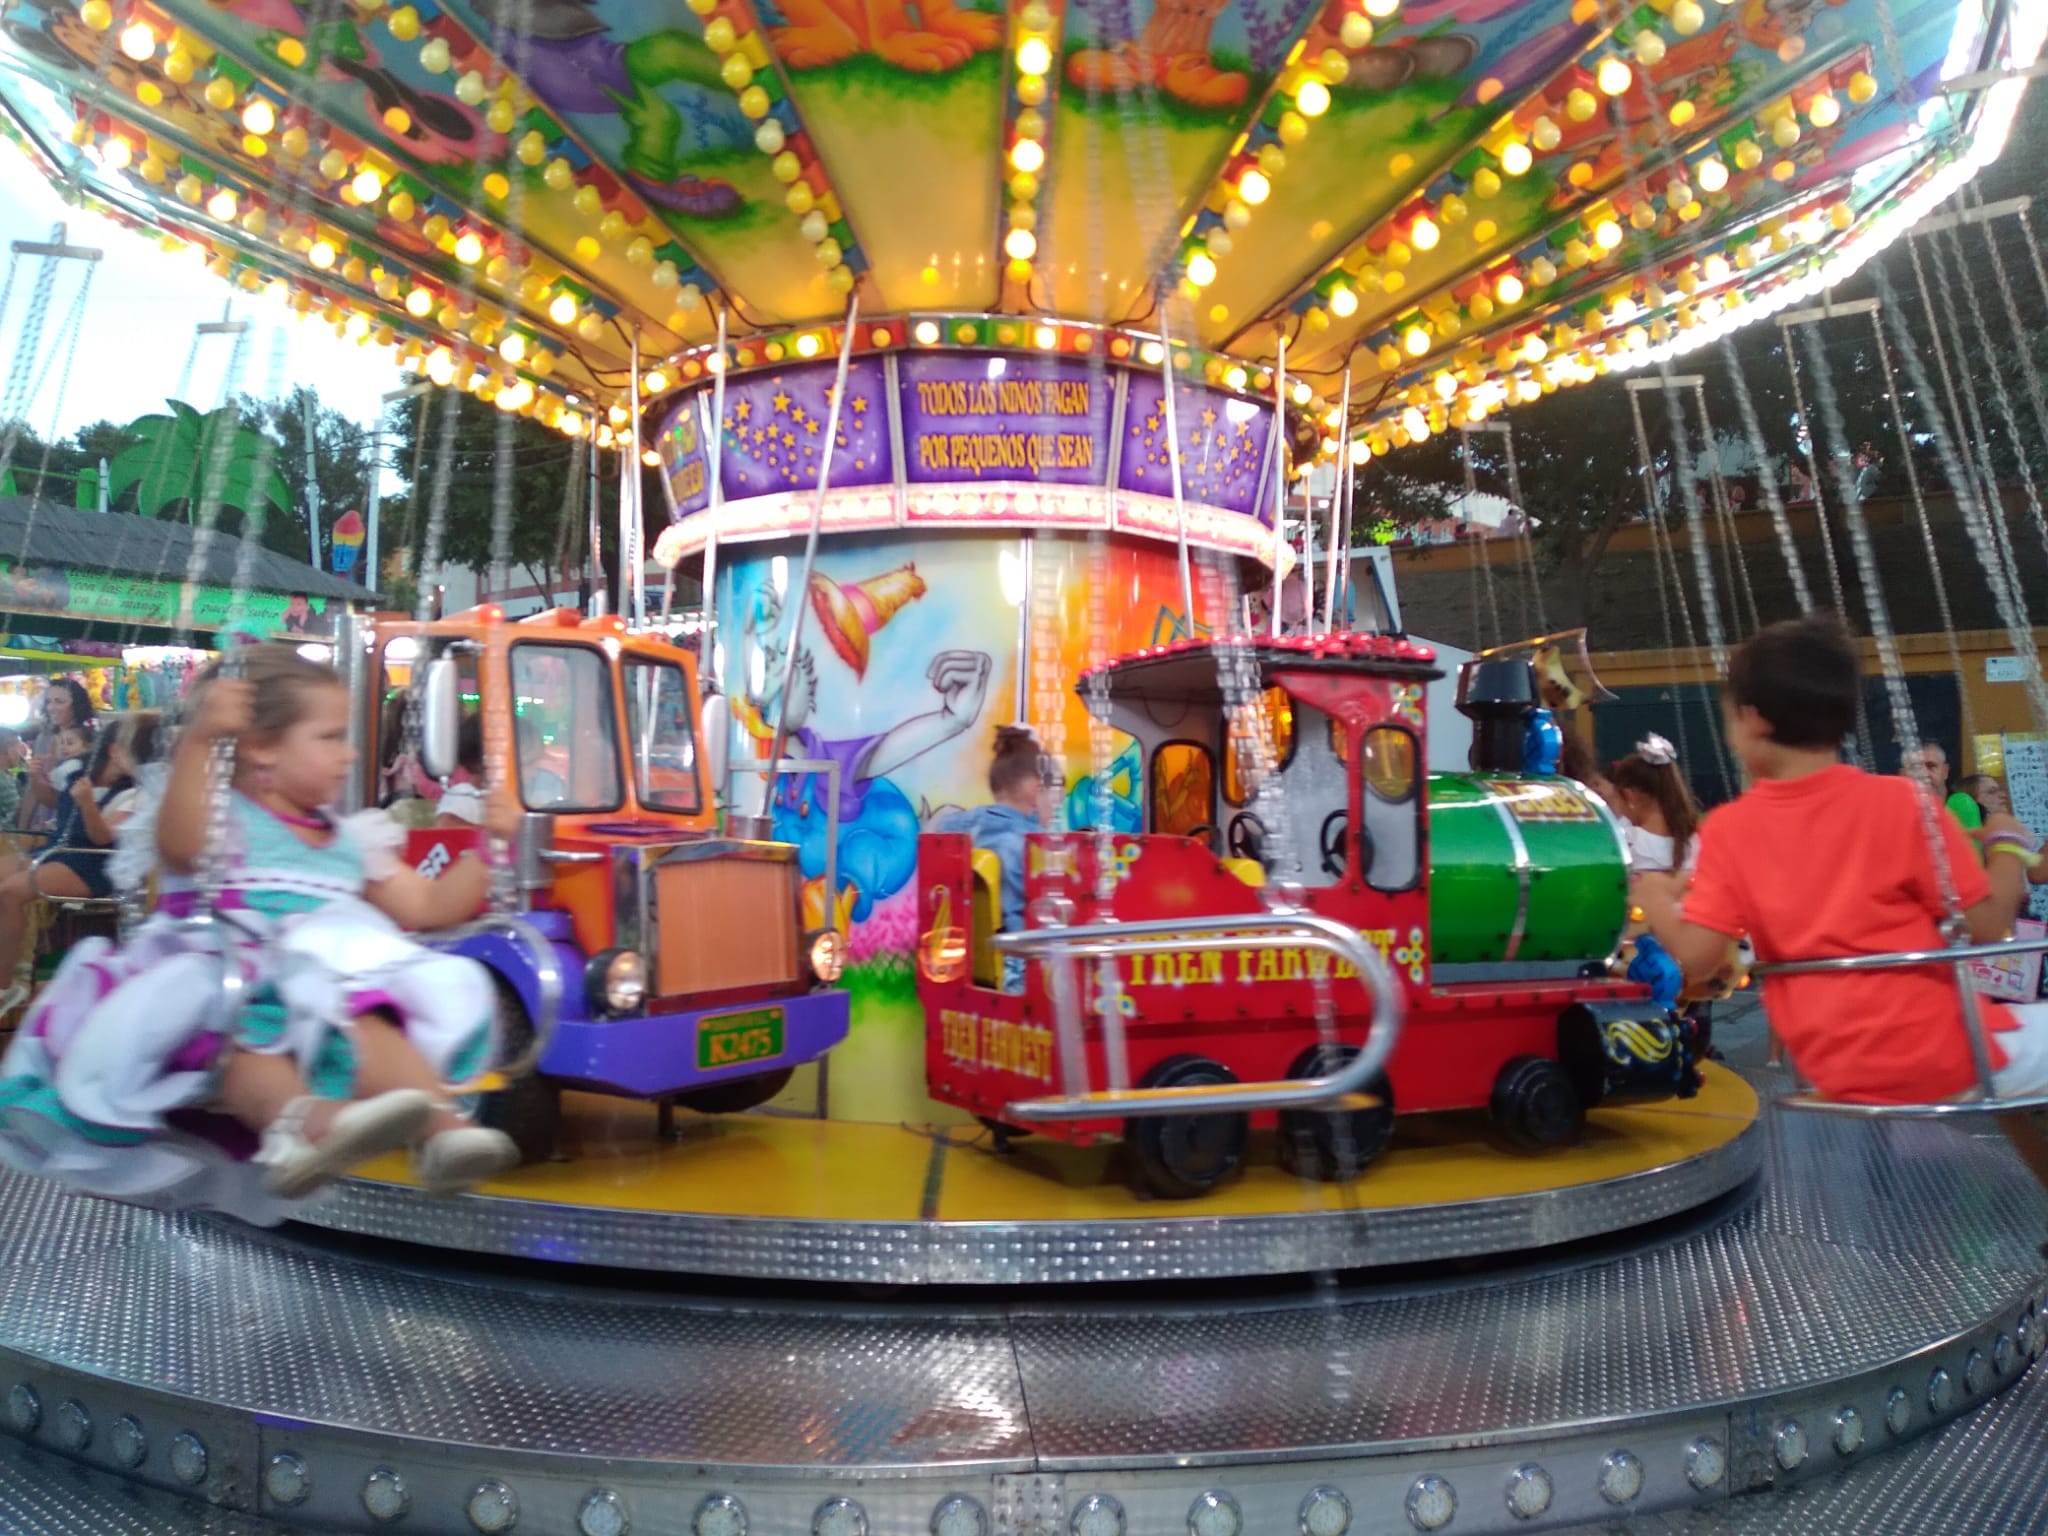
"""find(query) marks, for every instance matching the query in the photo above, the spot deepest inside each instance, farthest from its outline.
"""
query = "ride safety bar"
(1984, 1099)
(1056, 947)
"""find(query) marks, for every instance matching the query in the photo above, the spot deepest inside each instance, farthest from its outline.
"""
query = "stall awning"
(113, 568)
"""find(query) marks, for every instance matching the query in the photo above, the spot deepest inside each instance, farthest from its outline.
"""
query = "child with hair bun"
(141, 1076)
(1651, 794)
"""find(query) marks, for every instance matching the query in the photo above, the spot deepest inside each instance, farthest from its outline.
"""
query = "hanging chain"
(1927, 540)
(1820, 502)
(1996, 575)
(1972, 409)
(1903, 725)
(1480, 555)
(1788, 547)
(2029, 374)
(1521, 514)
(1661, 557)
(2000, 395)
(1740, 593)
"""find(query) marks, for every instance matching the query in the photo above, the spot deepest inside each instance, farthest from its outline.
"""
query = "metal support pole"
(1180, 506)
(596, 554)
(800, 595)
(312, 481)
(636, 539)
(1338, 503)
(714, 454)
(376, 498)
(1279, 477)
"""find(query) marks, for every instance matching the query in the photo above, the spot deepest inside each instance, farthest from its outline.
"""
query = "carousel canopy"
(1459, 200)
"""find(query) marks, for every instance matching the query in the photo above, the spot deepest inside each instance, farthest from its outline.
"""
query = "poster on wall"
(680, 442)
(972, 418)
(2026, 783)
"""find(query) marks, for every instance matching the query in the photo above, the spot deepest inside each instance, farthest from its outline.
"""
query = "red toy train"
(1495, 899)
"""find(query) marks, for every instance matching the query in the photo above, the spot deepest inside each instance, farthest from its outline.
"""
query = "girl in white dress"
(1663, 819)
(145, 1074)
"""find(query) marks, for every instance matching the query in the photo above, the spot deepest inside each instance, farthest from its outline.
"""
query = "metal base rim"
(977, 1253)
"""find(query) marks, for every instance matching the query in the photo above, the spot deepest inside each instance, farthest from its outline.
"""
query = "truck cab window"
(401, 786)
(659, 736)
(565, 736)
(1393, 809)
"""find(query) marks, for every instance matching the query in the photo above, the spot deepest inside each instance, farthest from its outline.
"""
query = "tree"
(546, 510)
(341, 456)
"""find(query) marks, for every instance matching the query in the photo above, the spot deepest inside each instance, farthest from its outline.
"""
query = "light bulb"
(1509, 289)
(1034, 57)
(513, 348)
(1416, 340)
(1607, 234)
(1535, 349)
(1343, 301)
(221, 205)
(138, 42)
(1254, 188)
(1423, 233)
(321, 254)
(1516, 158)
(368, 185)
(1614, 77)
(259, 117)
(1020, 245)
(117, 154)
(1713, 175)
(1313, 98)
(1415, 424)
(1028, 155)
(469, 250)
(926, 334)
(1201, 270)
(419, 303)
(1824, 111)
(562, 309)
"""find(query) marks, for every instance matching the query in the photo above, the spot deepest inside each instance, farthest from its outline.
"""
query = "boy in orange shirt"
(1818, 859)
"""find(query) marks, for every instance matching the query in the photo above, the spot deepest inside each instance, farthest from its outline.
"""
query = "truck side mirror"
(716, 726)
(440, 718)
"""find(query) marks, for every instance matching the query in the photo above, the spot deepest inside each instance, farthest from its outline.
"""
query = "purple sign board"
(1223, 443)
(775, 430)
(681, 446)
(978, 418)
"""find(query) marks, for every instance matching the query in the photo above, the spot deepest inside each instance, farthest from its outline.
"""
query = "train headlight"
(615, 981)
(826, 952)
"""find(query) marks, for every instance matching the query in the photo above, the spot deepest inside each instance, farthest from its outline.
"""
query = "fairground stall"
(1307, 1156)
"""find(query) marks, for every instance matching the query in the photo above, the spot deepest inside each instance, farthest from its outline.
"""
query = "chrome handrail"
(1984, 1098)
(547, 978)
(1280, 930)
(70, 903)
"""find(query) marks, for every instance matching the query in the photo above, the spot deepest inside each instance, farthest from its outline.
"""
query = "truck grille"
(725, 922)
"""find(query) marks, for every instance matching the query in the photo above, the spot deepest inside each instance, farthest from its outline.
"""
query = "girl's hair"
(81, 701)
(1018, 760)
(101, 755)
(282, 681)
(139, 736)
(1663, 783)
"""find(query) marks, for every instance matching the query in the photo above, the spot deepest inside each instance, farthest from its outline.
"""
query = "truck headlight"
(615, 981)
(827, 955)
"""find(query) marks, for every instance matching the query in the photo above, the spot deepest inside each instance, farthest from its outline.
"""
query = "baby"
(72, 745)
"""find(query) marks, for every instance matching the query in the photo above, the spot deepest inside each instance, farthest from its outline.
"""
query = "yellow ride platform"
(801, 1198)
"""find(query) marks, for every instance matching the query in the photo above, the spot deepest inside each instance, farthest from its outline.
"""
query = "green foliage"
(547, 512)
(173, 458)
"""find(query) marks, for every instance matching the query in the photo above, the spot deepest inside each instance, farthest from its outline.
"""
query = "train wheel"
(529, 1108)
(1182, 1157)
(1535, 1104)
(1334, 1146)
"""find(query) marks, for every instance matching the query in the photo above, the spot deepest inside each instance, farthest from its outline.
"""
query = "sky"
(138, 325)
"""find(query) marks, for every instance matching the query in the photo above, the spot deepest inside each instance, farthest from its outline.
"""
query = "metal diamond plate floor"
(1868, 1258)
